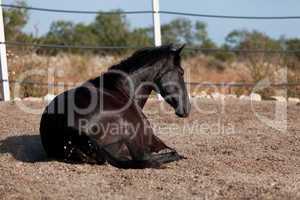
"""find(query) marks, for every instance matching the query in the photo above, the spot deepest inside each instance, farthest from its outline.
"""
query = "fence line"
(66, 46)
(239, 85)
(270, 51)
(74, 11)
(230, 16)
(39, 83)
(201, 84)
(151, 12)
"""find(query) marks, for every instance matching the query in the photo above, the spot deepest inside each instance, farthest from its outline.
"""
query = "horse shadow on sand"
(25, 148)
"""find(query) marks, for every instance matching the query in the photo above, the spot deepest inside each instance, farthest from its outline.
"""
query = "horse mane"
(142, 58)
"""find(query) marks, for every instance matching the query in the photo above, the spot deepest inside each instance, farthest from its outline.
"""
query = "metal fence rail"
(230, 16)
(151, 12)
(74, 11)
(37, 83)
(67, 46)
(189, 48)
(199, 84)
(239, 85)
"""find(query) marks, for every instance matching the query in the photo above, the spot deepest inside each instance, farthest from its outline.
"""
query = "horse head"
(171, 85)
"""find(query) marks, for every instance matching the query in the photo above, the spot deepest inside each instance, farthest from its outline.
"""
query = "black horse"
(102, 120)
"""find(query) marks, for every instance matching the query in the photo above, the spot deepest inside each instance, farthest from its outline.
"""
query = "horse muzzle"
(183, 112)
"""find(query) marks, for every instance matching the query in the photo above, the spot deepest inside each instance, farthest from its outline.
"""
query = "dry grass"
(63, 68)
(74, 69)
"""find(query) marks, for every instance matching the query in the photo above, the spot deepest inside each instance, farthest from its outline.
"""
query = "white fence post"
(156, 29)
(156, 23)
(3, 60)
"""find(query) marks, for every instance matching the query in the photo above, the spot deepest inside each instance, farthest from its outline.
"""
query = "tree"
(293, 44)
(14, 22)
(111, 30)
(201, 36)
(61, 32)
(177, 31)
(235, 38)
(84, 35)
(140, 37)
(260, 64)
(105, 30)
(243, 39)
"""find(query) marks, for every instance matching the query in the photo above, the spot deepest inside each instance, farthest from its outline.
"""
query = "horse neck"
(141, 91)
(121, 88)
(143, 86)
(141, 95)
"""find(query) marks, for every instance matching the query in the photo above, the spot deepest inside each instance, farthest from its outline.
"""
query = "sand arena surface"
(231, 155)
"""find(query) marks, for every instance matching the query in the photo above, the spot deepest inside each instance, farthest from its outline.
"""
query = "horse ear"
(178, 51)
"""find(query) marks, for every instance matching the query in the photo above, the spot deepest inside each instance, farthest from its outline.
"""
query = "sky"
(39, 22)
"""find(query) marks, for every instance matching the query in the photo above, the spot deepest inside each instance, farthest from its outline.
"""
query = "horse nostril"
(181, 114)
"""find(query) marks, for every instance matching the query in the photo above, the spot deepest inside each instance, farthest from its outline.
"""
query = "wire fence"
(150, 12)
(198, 84)
(67, 46)
(88, 47)
(74, 11)
(37, 83)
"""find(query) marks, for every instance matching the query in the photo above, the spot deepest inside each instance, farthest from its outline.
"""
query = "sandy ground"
(232, 154)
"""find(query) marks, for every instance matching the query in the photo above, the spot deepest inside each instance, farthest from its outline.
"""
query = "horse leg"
(146, 159)
(154, 142)
(168, 157)
(138, 159)
(80, 149)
